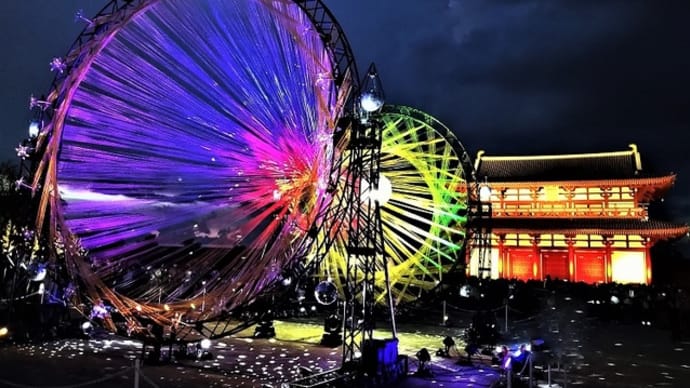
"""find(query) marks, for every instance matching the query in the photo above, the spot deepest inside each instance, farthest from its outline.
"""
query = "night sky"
(528, 77)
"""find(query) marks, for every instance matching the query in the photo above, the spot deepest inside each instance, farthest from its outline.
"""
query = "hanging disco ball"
(371, 102)
(326, 293)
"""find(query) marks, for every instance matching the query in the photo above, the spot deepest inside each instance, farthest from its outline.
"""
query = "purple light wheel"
(189, 149)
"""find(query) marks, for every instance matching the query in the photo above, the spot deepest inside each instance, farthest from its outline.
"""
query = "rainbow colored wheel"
(423, 197)
(188, 149)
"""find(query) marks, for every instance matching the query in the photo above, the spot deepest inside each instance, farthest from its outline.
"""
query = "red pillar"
(536, 258)
(607, 259)
(506, 263)
(501, 256)
(648, 259)
(570, 241)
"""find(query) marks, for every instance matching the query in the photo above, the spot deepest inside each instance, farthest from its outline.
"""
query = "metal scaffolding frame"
(480, 229)
(365, 246)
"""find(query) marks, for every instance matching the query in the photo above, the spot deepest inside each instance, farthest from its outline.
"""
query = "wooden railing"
(570, 209)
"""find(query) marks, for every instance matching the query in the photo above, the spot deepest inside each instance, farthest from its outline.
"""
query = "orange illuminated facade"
(580, 217)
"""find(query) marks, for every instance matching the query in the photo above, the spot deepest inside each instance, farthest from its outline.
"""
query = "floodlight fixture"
(34, 129)
(485, 193)
(40, 274)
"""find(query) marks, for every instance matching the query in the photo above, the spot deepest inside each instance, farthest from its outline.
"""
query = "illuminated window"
(628, 267)
(551, 193)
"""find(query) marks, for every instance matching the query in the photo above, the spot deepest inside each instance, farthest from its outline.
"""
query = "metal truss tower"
(480, 227)
(365, 247)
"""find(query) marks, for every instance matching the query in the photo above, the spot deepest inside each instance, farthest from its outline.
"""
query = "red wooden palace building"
(581, 217)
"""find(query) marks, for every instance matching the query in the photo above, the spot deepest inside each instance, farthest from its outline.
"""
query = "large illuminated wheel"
(188, 150)
(423, 195)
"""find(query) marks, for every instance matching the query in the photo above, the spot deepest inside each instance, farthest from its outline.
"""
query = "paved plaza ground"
(238, 361)
(590, 353)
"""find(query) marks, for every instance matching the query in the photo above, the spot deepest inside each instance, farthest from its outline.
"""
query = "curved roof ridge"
(582, 166)
(559, 156)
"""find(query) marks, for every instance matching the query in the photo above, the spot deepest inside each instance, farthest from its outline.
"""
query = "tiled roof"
(592, 166)
(651, 228)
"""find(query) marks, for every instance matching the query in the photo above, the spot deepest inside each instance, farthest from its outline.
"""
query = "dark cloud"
(511, 77)
(541, 76)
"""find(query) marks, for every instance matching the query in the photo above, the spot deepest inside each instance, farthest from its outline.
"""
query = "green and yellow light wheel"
(423, 198)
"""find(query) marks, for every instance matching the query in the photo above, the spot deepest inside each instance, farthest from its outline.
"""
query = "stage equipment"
(332, 331)
(186, 149)
(480, 214)
(424, 359)
(264, 328)
(380, 357)
(448, 343)
(326, 293)
(87, 328)
(364, 233)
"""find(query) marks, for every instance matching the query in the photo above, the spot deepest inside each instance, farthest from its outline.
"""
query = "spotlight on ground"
(265, 329)
(332, 333)
(424, 358)
(466, 291)
(202, 350)
(448, 343)
(87, 328)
